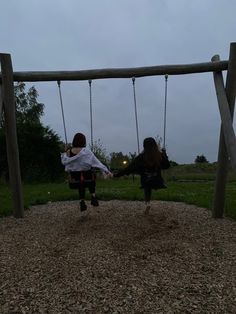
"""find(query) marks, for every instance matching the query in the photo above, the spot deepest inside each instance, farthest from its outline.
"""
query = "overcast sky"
(53, 35)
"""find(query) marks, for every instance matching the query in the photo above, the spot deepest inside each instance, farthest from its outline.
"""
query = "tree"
(28, 109)
(39, 146)
(173, 163)
(132, 156)
(119, 160)
(100, 152)
(158, 139)
(201, 159)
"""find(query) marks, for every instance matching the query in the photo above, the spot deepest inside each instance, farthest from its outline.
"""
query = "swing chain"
(91, 112)
(62, 111)
(135, 110)
(164, 137)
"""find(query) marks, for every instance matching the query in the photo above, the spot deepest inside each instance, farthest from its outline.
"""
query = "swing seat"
(153, 181)
(78, 178)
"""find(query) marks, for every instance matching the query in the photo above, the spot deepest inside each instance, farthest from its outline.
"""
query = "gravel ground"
(115, 259)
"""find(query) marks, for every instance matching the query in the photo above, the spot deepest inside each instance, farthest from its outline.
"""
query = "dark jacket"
(149, 177)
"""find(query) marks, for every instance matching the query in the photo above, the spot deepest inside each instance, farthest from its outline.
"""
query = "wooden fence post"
(11, 135)
(223, 162)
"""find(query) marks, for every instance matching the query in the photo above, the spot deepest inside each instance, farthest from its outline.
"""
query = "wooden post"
(222, 169)
(11, 135)
(1, 102)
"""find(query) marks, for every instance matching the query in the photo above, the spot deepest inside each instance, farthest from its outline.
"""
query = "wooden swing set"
(226, 94)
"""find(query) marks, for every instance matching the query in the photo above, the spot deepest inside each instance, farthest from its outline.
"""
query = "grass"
(196, 193)
(202, 171)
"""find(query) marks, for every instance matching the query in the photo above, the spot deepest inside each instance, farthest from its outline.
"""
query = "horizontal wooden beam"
(119, 72)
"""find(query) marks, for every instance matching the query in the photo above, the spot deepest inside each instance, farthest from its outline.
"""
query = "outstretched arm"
(96, 163)
(133, 167)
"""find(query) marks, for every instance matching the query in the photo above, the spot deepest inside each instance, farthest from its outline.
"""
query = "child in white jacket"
(79, 162)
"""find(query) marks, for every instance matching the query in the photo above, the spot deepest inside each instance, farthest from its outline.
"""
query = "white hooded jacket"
(83, 161)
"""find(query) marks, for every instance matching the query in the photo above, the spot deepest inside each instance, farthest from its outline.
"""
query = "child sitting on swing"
(148, 165)
(79, 162)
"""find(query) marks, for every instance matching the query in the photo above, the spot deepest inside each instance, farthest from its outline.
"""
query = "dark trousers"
(82, 188)
(84, 180)
(147, 193)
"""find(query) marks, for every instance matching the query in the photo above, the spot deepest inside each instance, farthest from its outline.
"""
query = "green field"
(181, 188)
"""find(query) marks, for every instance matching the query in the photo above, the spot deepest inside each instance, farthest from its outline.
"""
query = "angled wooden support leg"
(226, 119)
(11, 135)
(1, 101)
(223, 160)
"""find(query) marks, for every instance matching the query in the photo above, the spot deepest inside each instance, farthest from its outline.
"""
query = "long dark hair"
(152, 154)
(79, 140)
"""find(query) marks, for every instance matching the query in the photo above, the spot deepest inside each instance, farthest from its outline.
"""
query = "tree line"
(40, 146)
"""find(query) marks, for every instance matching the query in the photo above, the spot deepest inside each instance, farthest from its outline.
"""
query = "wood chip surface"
(115, 259)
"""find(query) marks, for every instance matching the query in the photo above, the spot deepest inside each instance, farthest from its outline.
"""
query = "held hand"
(66, 147)
(115, 174)
(107, 175)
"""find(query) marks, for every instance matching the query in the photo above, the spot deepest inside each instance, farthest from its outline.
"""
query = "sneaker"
(94, 201)
(83, 206)
(147, 210)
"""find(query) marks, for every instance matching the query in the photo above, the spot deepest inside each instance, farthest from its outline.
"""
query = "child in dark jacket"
(148, 165)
